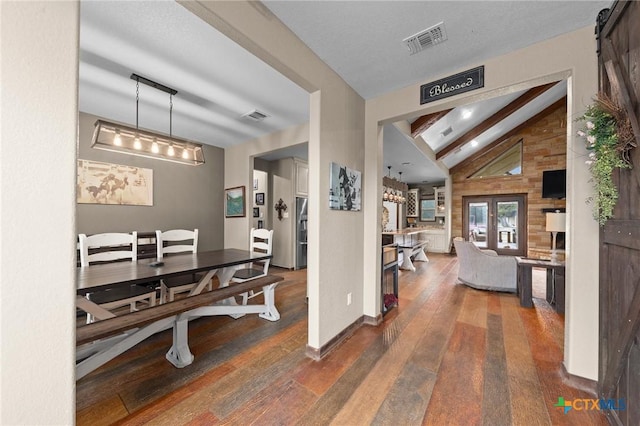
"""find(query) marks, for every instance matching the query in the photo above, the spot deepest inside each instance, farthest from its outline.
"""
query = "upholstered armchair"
(484, 269)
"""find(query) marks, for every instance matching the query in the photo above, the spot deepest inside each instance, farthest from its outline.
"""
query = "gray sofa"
(484, 269)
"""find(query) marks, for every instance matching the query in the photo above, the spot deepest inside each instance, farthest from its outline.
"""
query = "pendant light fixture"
(115, 137)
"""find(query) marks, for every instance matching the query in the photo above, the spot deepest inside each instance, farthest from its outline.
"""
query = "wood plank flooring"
(448, 354)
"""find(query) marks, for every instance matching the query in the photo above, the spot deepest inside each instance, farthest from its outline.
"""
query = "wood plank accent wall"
(544, 148)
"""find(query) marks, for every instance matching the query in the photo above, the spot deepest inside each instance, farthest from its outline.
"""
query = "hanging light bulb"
(170, 151)
(136, 143)
(185, 154)
(154, 146)
(117, 140)
(385, 195)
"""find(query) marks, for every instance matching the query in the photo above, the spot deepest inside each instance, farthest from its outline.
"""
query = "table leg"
(224, 276)
(550, 295)
(421, 256)
(204, 281)
(559, 290)
(406, 261)
(525, 276)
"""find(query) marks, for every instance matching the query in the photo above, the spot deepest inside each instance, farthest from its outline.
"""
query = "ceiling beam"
(426, 121)
(548, 110)
(496, 118)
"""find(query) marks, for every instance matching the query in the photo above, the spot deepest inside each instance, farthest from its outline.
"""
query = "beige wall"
(543, 148)
(335, 133)
(184, 197)
(282, 188)
(39, 80)
(571, 56)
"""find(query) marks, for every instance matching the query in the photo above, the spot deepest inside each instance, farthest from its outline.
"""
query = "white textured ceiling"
(362, 40)
(217, 81)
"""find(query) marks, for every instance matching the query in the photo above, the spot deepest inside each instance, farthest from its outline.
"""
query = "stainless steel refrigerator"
(301, 232)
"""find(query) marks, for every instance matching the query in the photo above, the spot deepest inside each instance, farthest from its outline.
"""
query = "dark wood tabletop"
(120, 273)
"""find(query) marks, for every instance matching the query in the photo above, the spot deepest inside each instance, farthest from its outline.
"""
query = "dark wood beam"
(521, 101)
(504, 138)
(426, 121)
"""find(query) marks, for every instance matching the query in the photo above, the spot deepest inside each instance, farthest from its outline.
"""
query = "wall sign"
(453, 85)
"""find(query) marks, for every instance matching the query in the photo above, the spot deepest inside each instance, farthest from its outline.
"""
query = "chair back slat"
(176, 241)
(261, 241)
(108, 247)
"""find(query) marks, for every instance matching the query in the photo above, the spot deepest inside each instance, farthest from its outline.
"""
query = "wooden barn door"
(619, 372)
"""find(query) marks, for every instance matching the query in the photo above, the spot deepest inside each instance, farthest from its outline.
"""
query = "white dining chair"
(261, 241)
(112, 247)
(177, 241)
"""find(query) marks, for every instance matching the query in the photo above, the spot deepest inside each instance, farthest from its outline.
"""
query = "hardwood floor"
(447, 355)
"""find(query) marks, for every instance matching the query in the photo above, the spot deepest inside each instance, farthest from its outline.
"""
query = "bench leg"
(179, 355)
(102, 357)
(406, 261)
(421, 256)
(271, 313)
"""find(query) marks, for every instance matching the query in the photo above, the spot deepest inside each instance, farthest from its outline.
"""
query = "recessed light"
(466, 113)
(474, 143)
(406, 164)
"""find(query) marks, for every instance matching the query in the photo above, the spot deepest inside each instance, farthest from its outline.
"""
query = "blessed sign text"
(453, 85)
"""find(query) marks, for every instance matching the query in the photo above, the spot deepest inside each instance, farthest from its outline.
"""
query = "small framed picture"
(256, 212)
(255, 184)
(260, 224)
(234, 202)
(260, 198)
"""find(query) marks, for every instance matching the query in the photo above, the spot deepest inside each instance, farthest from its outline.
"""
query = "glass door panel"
(507, 235)
(478, 215)
(496, 222)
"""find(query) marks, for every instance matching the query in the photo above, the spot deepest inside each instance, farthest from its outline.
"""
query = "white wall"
(570, 56)
(39, 81)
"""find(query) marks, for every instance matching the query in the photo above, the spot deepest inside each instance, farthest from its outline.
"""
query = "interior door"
(619, 360)
(497, 223)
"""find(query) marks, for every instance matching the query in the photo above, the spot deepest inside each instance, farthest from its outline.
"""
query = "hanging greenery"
(609, 139)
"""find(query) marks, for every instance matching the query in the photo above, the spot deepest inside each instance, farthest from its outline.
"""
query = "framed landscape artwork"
(106, 183)
(234, 202)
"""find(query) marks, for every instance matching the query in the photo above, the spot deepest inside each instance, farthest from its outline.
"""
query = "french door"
(497, 223)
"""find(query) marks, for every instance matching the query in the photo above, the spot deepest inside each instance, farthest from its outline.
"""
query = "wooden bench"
(106, 339)
(408, 251)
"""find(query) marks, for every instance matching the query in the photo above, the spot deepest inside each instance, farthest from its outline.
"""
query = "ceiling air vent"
(446, 132)
(426, 38)
(255, 115)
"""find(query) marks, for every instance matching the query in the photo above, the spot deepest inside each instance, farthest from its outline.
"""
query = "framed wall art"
(234, 202)
(345, 188)
(260, 198)
(106, 183)
(256, 212)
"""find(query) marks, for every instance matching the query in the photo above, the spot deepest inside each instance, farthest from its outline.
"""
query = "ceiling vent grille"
(446, 132)
(255, 115)
(426, 38)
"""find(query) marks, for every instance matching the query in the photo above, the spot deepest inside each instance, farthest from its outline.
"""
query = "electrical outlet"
(348, 299)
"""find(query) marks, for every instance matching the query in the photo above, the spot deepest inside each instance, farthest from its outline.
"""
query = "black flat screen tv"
(554, 184)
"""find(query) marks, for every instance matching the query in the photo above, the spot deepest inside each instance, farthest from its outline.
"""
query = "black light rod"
(153, 84)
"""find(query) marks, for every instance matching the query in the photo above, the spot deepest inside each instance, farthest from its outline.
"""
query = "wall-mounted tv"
(554, 184)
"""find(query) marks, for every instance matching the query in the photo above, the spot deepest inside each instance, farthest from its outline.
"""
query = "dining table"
(222, 263)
